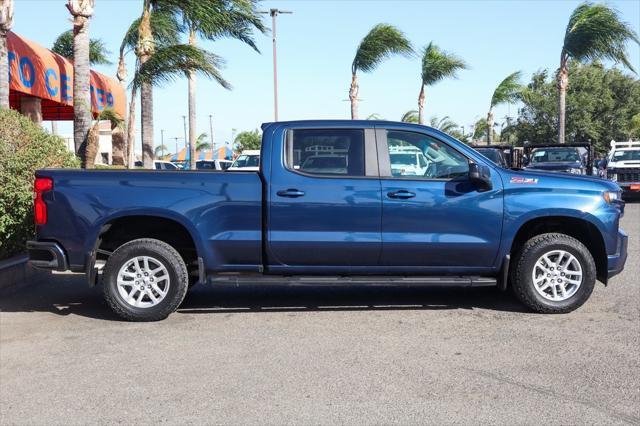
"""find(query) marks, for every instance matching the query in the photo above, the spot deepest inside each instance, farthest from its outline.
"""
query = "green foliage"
(444, 124)
(158, 150)
(508, 90)
(601, 106)
(375, 116)
(24, 148)
(202, 142)
(595, 32)
(383, 41)
(248, 140)
(410, 116)
(164, 25)
(98, 53)
(171, 62)
(438, 65)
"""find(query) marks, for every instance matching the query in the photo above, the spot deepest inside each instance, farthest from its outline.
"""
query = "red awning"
(36, 71)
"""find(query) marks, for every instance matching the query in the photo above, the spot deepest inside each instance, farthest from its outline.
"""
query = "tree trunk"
(421, 98)
(54, 127)
(146, 115)
(144, 50)
(4, 71)
(91, 147)
(6, 22)
(353, 96)
(117, 145)
(131, 131)
(192, 110)
(81, 84)
(490, 127)
(563, 83)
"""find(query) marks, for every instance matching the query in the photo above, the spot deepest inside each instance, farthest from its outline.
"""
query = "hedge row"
(24, 148)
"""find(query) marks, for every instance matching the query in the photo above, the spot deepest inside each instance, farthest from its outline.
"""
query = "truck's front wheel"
(145, 280)
(553, 273)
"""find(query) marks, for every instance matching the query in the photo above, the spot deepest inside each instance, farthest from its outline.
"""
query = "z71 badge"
(523, 180)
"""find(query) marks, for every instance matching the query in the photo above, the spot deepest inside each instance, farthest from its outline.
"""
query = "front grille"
(629, 175)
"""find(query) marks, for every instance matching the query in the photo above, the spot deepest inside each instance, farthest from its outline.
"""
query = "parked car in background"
(464, 222)
(574, 158)
(623, 166)
(407, 161)
(494, 154)
(213, 164)
(160, 165)
(248, 160)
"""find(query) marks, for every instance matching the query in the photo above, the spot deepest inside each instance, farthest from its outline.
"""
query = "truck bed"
(222, 209)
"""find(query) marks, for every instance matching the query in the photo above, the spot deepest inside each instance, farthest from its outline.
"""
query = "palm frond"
(444, 124)
(383, 41)
(508, 90)
(438, 64)
(158, 150)
(219, 18)
(110, 115)
(169, 63)
(98, 52)
(164, 25)
(410, 116)
(375, 116)
(594, 32)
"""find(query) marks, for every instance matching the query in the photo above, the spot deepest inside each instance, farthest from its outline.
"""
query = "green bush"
(24, 148)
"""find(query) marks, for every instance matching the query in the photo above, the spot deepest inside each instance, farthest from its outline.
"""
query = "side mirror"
(480, 176)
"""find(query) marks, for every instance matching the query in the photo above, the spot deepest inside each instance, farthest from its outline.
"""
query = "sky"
(316, 45)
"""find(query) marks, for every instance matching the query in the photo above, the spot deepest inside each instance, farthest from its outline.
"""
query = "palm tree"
(81, 10)
(165, 31)
(98, 52)
(213, 20)
(375, 116)
(506, 92)
(410, 116)
(436, 65)
(382, 41)
(93, 139)
(202, 143)
(444, 124)
(159, 150)
(594, 32)
(6, 22)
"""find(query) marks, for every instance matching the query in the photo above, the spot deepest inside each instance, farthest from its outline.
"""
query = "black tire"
(526, 258)
(163, 253)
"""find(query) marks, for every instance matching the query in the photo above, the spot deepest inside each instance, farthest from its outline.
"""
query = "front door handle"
(290, 193)
(401, 194)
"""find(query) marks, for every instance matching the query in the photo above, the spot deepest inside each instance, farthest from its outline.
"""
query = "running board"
(436, 281)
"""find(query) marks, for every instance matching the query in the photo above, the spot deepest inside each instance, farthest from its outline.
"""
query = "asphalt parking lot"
(323, 355)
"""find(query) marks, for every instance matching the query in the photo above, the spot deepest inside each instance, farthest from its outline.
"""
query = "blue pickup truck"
(329, 205)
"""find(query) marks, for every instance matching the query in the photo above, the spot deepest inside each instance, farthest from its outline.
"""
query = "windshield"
(551, 155)
(491, 154)
(626, 155)
(247, 161)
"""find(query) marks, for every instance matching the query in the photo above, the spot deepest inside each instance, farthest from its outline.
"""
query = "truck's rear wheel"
(553, 273)
(145, 280)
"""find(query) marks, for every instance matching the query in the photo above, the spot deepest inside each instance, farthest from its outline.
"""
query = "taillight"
(40, 186)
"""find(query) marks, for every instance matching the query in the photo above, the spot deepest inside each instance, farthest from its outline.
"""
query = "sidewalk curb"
(15, 271)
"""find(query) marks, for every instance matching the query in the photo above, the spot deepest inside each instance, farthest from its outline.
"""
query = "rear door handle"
(401, 194)
(290, 193)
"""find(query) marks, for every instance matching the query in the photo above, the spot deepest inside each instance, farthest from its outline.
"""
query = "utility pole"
(213, 145)
(187, 143)
(162, 141)
(274, 13)
(176, 140)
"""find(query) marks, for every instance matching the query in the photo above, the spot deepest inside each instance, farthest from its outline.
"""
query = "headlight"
(611, 196)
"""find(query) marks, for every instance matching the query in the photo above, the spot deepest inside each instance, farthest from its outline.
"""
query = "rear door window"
(330, 152)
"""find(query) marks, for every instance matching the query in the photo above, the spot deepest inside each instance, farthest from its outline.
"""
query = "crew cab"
(464, 221)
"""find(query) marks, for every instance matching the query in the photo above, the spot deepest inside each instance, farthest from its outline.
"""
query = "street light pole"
(213, 145)
(187, 142)
(162, 141)
(274, 13)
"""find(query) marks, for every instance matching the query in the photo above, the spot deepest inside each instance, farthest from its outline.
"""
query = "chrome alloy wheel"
(143, 282)
(557, 275)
